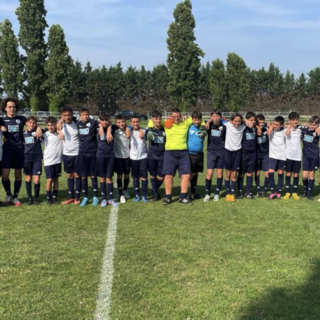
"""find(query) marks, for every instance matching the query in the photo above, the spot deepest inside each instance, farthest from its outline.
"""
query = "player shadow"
(296, 303)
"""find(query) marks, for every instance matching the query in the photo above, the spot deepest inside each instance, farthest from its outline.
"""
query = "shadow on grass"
(302, 302)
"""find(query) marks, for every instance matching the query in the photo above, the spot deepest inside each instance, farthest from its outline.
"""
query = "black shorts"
(86, 164)
(293, 166)
(248, 163)
(122, 166)
(276, 164)
(70, 163)
(176, 160)
(33, 168)
(215, 160)
(139, 168)
(196, 162)
(12, 158)
(155, 167)
(262, 164)
(310, 163)
(53, 171)
(232, 160)
(105, 167)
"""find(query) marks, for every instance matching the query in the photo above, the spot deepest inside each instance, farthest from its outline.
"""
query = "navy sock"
(103, 188)
(71, 188)
(219, 184)
(288, 182)
(194, 181)
(233, 186)
(136, 187)
(49, 194)
(110, 190)
(36, 190)
(17, 186)
(183, 195)
(310, 187)
(159, 184)
(28, 188)
(144, 187)
(119, 186)
(257, 182)
(208, 186)
(169, 196)
(272, 183)
(240, 184)
(94, 182)
(305, 185)
(266, 183)
(154, 186)
(78, 188)
(84, 185)
(295, 184)
(7, 187)
(55, 194)
(227, 182)
(249, 185)
(280, 182)
(126, 183)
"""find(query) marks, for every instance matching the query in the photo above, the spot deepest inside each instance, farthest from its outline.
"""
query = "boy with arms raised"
(293, 162)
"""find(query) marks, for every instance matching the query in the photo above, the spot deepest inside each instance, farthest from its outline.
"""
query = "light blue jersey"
(195, 141)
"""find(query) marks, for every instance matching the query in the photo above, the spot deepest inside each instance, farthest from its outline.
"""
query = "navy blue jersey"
(13, 136)
(156, 147)
(310, 142)
(216, 138)
(105, 148)
(249, 140)
(32, 146)
(263, 144)
(88, 136)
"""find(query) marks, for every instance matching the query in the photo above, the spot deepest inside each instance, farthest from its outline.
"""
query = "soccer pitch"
(251, 259)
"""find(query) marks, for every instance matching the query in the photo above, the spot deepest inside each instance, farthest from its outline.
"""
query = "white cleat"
(216, 197)
(206, 198)
(123, 199)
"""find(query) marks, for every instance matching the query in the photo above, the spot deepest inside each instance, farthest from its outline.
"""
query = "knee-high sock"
(126, 183)
(295, 184)
(103, 188)
(17, 186)
(84, 185)
(194, 181)
(94, 182)
(227, 182)
(288, 184)
(136, 187)
(240, 184)
(71, 188)
(280, 182)
(249, 184)
(310, 187)
(219, 184)
(266, 183)
(305, 185)
(208, 186)
(119, 185)
(272, 182)
(110, 190)
(78, 188)
(7, 187)
(36, 190)
(144, 187)
(154, 186)
(257, 182)
(233, 186)
(28, 188)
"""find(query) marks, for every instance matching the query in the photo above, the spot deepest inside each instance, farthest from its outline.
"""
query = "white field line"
(105, 288)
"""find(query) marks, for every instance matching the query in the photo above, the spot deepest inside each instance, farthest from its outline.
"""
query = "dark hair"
(156, 114)
(9, 99)
(314, 119)
(175, 110)
(134, 117)
(250, 114)
(196, 115)
(260, 117)
(51, 120)
(293, 115)
(216, 111)
(84, 110)
(279, 119)
(66, 109)
(236, 114)
(119, 117)
(104, 116)
(32, 118)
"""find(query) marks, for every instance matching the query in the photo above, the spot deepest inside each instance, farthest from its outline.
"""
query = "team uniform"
(262, 163)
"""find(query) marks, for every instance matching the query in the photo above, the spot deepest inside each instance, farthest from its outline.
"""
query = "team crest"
(33, 134)
(88, 125)
(220, 128)
(18, 121)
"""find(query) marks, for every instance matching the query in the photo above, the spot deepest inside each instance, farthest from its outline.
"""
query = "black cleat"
(310, 198)
(155, 198)
(55, 200)
(36, 201)
(240, 196)
(249, 196)
(166, 201)
(30, 201)
(195, 196)
(49, 202)
(185, 201)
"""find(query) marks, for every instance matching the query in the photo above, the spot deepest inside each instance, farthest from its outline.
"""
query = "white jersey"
(293, 145)
(71, 140)
(121, 144)
(138, 146)
(52, 148)
(277, 145)
(234, 136)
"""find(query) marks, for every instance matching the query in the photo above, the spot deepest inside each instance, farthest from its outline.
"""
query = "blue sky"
(134, 32)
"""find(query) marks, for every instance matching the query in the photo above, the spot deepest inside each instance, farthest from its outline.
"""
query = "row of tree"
(44, 76)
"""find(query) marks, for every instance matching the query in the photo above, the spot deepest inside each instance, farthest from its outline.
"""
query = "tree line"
(45, 77)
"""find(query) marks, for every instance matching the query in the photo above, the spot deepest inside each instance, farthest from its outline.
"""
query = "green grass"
(252, 259)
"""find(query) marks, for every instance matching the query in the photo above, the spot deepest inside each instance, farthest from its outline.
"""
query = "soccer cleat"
(126, 194)
(8, 200)
(240, 196)
(136, 199)
(144, 199)
(55, 200)
(319, 200)
(155, 198)
(103, 203)
(249, 196)
(216, 197)
(36, 201)
(30, 201)
(287, 196)
(185, 201)
(206, 198)
(166, 201)
(49, 202)
(310, 198)
(272, 196)
(295, 196)
(123, 199)
(16, 202)
(232, 198)
(278, 196)
(194, 196)
(260, 194)
(113, 203)
(76, 202)
(95, 201)
(68, 201)
(84, 202)
(227, 197)
(303, 195)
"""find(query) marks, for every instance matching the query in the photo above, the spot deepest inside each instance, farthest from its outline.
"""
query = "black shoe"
(194, 196)
(49, 202)
(260, 194)
(166, 201)
(249, 196)
(55, 200)
(310, 198)
(155, 198)
(30, 201)
(304, 195)
(36, 201)
(240, 196)
(265, 194)
(2, 204)
(185, 201)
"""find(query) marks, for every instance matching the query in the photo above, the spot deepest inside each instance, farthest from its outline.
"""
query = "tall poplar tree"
(184, 57)
(218, 84)
(58, 69)
(10, 60)
(31, 15)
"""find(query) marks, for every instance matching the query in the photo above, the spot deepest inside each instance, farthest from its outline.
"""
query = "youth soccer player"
(293, 162)
(138, 157)
(157, 139)
(215, 153)
(105, 160)
(70, 137)
(122, 156)
(310, 163)
(196, 135)
(277, 155)
(52, 157)
(86, 163)
(32, 159)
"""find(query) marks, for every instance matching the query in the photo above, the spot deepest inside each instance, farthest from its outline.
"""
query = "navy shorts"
(86, 164)
(13, 159)
(70, 163)
(139, 168)
(248, 163)
(215, 160)
(196, 162)
(293, 166)
(176, 159)
(105, 167)
(262, 164)
(155, 167)
(122, 166)
(33, 168)
(310, 163)
(276, 165)
(53, 171)
(232, 160)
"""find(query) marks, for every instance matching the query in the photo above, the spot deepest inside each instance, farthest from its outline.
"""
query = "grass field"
(252, 259)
